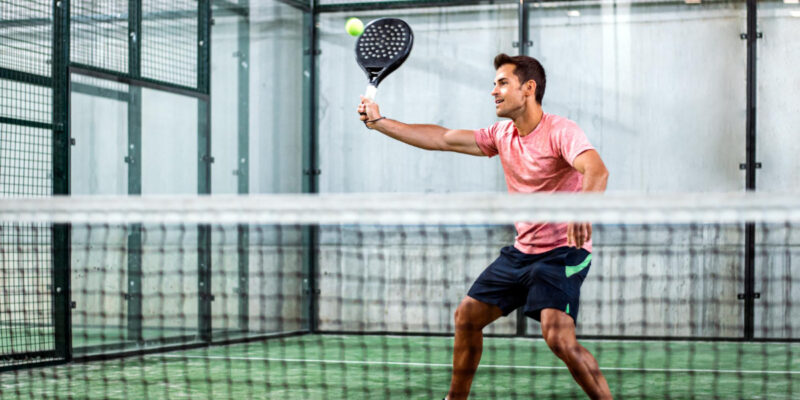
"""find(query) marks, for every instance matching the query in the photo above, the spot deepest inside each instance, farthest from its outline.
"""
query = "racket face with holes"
(383, 47)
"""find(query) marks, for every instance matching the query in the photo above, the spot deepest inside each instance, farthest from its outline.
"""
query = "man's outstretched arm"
(428, 137)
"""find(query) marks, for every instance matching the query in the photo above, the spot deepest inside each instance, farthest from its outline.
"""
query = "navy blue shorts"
(537, 281)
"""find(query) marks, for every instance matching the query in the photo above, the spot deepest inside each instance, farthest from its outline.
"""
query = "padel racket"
(381, 49)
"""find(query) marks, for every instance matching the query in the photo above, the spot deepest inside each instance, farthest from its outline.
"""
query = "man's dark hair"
(527, 68)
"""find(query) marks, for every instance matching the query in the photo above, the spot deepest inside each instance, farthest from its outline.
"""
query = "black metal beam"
(96, 91)
(243, 164)
(403, 4)
(237, 9)
(61, 288)
(204, 161)
(127, 79)
(752, 37)
(30, 362)
(186, 346)
(25, 77)
(134, 163)
(22, 122)
(310, 234)
(523, 28)
(88, 19)
(750, 174)
(621, 338)
(25, 22)
(298, 4)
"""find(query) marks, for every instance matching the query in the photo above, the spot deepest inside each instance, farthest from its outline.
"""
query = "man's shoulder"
(559, 124)
(503, 127)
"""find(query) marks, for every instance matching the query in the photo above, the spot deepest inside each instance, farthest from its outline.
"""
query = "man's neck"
(527, 122)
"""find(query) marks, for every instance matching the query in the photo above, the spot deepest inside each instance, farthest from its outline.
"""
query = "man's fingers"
(570, 234)
(583, 234)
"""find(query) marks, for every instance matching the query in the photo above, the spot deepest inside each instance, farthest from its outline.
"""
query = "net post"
(243, 168)
(134, 280)
(204, 161)
(749, 280)
(61, 186)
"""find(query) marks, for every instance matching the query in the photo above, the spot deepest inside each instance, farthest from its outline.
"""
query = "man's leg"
(470, 318)
(558, 330)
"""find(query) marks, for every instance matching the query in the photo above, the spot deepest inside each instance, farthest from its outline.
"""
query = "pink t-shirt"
(540, 161)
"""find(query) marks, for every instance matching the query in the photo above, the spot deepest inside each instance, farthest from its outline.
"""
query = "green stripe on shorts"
(574, 269)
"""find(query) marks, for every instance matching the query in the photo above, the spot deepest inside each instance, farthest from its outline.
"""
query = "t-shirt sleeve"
(486, 139)
(570, 142)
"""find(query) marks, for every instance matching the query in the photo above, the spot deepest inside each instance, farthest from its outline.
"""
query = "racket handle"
(371, 92)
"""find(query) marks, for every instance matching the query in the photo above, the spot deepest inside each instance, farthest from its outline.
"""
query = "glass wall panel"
(276, 97)
(257, 115)
(99, 255)
(99, 125)
(169, 254)
(659, 89)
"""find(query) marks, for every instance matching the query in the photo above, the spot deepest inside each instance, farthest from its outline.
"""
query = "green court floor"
(388, 367)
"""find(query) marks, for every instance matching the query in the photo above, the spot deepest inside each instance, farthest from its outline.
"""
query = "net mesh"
(354, 296)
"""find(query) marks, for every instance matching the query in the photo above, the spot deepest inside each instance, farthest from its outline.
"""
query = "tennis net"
(353, 296)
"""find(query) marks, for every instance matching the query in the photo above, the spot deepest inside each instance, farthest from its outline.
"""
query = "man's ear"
(530, 87)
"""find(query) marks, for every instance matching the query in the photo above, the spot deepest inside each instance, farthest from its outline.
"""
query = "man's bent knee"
(472, 314)
(561, 347)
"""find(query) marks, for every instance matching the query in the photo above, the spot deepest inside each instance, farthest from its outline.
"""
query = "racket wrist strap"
(373, 121)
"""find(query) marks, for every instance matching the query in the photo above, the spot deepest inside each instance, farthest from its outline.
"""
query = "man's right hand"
(368, 111)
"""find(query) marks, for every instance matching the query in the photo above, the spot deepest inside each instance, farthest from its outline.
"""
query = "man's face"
(509, 95)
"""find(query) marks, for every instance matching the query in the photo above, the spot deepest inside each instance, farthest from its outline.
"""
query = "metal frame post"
(204, 160)
(61, 289)
(310, 161)
(524, 34)
(134, 162)
(243, 169)
(750, 173)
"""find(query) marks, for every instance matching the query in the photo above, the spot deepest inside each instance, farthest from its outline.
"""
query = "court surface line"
(529, 367)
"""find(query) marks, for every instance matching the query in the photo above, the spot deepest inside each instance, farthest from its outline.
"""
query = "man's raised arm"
(428, 137)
